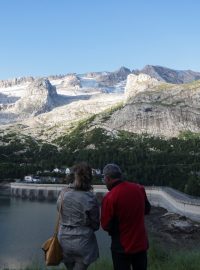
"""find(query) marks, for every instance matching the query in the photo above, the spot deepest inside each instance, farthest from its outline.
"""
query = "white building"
(31, 179)
(28, 178)
(67, 171)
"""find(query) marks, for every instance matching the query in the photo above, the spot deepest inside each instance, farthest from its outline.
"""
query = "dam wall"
(48, 192)
(168, 198)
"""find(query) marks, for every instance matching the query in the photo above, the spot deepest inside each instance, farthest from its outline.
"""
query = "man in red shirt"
(122, 216)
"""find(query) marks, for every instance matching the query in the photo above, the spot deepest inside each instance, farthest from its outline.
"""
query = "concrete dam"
(168, 198)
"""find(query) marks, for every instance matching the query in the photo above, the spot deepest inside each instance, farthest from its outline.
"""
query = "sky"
(52, 37)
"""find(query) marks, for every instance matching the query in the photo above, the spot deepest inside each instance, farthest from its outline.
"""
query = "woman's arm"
(94, 215)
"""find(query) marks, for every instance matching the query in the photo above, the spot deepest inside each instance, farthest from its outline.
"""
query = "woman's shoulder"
(68, 187)
(65, 190)
(90, 195)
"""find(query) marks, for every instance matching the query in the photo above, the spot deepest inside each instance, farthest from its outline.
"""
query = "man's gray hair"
(113, 171)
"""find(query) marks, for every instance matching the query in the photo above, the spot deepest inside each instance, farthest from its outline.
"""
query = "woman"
(79, 220)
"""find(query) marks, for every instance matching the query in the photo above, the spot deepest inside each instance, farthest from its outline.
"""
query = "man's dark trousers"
(122, 261)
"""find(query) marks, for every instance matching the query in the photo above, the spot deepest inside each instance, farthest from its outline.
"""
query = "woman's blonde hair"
(82, 176)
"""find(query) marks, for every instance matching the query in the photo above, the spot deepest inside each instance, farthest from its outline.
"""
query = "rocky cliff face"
(157, 108)
(40, 97)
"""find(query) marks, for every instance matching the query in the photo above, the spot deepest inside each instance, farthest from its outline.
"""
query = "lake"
(24, 226)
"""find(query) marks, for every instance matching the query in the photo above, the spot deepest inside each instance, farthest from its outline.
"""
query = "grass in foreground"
(163, 259)
(158, 259)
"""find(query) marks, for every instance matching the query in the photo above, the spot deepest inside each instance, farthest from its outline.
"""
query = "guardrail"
(175, 201)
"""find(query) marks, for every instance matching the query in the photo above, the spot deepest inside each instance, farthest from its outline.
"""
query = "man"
(122, 216)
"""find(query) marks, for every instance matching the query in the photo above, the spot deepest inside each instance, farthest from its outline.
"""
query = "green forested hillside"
(172, 162)
(149, 160)
(21, 155)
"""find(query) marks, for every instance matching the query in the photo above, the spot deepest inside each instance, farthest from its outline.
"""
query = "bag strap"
(59, 213)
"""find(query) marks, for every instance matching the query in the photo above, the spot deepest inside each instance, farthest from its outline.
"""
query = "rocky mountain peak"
(170, 75)
(139, 83)
(112, 78)
(123, 72)
(71, 81)
(40, 97)
(41, 87)
(153, 71)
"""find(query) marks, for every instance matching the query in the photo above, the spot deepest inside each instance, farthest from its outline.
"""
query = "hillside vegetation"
(21, 155)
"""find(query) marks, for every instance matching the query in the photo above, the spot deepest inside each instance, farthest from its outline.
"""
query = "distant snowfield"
(84, 101)
(89, 82)
(16, 91)
(89, 86)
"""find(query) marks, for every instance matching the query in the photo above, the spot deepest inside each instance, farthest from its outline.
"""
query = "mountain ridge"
(150, 105)
(155, 71)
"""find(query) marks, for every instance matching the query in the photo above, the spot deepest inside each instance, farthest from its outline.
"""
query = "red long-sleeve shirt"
(122, 215)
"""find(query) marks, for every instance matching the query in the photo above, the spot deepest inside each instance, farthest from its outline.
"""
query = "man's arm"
(147, 208)
(147, 205)
(94, 214)
(107, 213)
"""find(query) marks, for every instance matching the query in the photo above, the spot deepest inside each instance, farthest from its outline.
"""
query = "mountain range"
(155, 100)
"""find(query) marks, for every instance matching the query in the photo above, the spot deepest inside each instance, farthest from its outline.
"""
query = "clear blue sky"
(49, 37)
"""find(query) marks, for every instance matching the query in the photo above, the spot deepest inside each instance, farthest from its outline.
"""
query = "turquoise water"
(24, 226)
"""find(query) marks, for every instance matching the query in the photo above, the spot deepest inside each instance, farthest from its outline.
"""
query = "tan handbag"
(51, 247)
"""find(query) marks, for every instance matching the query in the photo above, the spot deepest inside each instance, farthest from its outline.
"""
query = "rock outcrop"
(136, 84)
(40, 97)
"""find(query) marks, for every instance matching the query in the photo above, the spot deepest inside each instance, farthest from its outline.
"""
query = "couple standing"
(122, 216)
